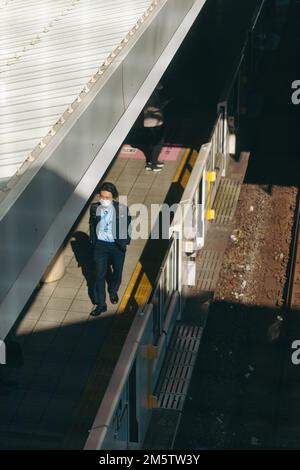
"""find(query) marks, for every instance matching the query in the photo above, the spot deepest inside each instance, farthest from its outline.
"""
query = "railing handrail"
(237, 65)
(232, 78)
(117, 382)
(219, 116)
(163, 263)
(256, 15)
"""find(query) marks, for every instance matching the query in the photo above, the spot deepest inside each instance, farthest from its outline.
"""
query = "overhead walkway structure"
(74, 76)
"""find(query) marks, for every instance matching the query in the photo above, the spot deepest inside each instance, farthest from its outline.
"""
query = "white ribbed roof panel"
(49, 51)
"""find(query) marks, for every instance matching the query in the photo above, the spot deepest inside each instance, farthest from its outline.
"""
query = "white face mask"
(105, 202)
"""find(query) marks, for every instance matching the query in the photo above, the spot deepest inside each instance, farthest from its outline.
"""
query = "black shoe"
(113, 297)
(160, 164)
(148, 166)
(98, 310)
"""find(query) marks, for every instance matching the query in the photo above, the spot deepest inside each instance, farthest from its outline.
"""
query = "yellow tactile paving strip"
(226, 201)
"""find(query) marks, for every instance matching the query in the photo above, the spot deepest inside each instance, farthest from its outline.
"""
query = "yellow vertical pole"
(211, 178)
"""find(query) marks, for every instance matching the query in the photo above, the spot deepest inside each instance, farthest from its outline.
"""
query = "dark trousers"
(150, 140)
(109, 261)
(153, 143)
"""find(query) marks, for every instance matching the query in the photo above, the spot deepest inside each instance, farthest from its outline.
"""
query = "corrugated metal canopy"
(49, 50)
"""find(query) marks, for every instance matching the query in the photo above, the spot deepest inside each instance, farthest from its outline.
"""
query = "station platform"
(61, 64)
(59, 357)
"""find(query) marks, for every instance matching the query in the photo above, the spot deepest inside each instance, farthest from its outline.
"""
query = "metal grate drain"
(226, 201)
(177, 371)
(209, 262)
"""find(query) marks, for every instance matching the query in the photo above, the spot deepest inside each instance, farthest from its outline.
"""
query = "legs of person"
(109, 272)
(116, 260)
(146, 145)
(157, 143)
(147, 151)
(101, 260)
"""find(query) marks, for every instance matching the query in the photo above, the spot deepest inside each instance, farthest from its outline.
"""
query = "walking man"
(109, 236)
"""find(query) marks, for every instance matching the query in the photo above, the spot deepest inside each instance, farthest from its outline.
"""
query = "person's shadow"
(83, 252)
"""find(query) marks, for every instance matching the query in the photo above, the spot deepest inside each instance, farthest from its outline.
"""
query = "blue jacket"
(121, 224)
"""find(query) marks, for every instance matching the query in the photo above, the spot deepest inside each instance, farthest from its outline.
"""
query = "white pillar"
(56, 269)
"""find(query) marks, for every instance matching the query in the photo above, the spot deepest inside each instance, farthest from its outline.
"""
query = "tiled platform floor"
(53, 346)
